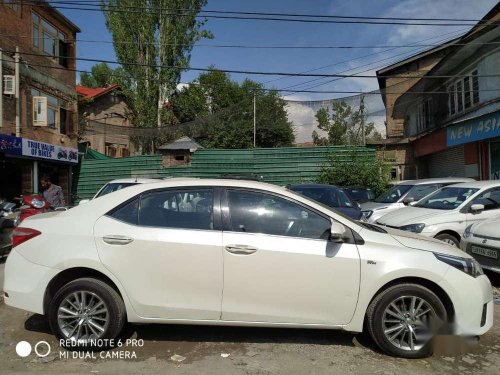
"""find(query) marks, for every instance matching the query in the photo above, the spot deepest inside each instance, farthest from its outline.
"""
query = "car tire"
(99, 296)
(449, 239)
(377, 313)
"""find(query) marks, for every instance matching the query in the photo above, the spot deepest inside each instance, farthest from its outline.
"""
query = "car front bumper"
(472, 300)
(25, 283)
(487, 263)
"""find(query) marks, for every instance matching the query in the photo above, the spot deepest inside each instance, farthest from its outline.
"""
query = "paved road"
(230, 350)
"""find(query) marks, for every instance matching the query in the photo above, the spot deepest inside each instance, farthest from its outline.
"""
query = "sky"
(245, 32)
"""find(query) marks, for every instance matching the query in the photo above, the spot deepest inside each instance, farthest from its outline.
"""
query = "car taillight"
(20, 235)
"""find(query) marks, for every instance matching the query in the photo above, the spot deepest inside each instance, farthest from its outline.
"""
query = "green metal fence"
(279, 166)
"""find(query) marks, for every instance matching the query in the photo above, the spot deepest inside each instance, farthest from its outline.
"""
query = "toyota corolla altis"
(242, 253)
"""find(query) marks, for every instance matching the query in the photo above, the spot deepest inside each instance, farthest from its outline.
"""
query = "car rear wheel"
(402, 319)
(449, 239)
(85, 311)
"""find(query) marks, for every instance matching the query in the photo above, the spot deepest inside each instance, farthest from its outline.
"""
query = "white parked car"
(404, 193)
(482, 241)
(446, 213)
(239, 253)
(119, 184)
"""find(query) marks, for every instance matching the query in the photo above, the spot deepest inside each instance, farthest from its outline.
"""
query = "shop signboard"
(483, 127)
(42, 150)
(10, 145)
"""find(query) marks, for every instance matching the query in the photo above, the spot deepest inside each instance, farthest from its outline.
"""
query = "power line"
(201, 14)
(247, 72)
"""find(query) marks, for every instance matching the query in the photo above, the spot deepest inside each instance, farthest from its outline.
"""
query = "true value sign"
(484, 127)
(41, 150)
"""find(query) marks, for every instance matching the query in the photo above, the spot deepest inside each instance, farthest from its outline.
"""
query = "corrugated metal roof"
(184, 143)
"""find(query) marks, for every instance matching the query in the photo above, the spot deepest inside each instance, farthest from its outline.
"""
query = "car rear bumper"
(472, 300)
(25, 283)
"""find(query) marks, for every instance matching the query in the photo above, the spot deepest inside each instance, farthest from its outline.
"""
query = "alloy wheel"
(82, 317)
(407, 322)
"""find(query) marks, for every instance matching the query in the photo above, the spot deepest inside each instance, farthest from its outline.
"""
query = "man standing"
(52, 193)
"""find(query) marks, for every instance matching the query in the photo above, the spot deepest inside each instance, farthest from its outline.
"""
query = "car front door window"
(253, 212)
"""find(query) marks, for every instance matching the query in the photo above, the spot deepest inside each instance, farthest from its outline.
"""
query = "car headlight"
(468, 265)
(37, 203)
(415, 228)
(366, 214)
(468, 231)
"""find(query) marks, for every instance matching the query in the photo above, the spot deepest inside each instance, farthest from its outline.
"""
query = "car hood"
(419, 242)
(488, 228)
(410, 215)
(375, 206)
(352, 212)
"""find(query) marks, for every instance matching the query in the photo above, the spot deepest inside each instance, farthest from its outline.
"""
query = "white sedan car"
(118, 184)
(482, 241)
(239, 253)
(446, 213)
(403, 193)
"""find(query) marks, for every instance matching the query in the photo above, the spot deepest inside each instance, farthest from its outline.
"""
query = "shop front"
(24, 161)
(482, 134)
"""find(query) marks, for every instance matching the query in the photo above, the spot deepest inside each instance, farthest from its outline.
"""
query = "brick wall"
(39, 72)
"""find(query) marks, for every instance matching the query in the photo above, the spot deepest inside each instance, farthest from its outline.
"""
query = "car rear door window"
(127, 212)
(182, 209)
(253, 212)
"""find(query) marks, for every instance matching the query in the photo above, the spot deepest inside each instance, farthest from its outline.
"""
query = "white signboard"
(36, 149)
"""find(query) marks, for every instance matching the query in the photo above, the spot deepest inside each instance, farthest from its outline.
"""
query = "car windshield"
(114, 186)
(417, 192)
(360, 194)
(447, 198)
(393, 194)
(328, 196)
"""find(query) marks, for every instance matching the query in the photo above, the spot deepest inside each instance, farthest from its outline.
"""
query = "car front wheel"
(449, 239)
(403, 318)
(86, 311)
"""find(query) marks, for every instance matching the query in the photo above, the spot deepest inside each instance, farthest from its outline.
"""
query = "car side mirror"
(408, 201)
(337, 232)
(477, 208)
(413, 203)
(83, 201)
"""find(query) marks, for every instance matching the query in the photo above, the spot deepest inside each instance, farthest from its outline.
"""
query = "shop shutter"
(448, 163)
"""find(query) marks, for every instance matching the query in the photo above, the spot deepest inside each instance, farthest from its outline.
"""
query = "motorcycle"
(32, 205)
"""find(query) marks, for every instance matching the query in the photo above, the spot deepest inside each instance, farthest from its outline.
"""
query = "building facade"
(449, 114)
(38, 106)
(105, 112)
(452, 114)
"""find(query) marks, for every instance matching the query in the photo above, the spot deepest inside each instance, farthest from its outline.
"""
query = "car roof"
(424, 181)
(312, 186)
(131, 180)
(479, 184)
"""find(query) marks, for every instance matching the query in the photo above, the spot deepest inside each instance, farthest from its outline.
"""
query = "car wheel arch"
(71, 274)
(431, 285)
(449, 232)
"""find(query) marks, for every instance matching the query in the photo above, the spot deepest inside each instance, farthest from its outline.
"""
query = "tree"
(370, 171)
(153, 45)
(223, 110)
(343, 125)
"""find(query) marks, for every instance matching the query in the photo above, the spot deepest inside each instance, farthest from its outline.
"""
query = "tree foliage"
(343, 125)
(153, 45)
(102, 75)
(356, 169)
(224, 110)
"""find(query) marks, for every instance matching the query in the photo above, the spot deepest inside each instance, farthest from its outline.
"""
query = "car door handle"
(241, 249)
(117, 240)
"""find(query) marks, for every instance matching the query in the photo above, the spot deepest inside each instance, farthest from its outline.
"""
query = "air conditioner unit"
(9, 85)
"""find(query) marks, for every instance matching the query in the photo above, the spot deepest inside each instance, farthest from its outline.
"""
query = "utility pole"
(362, 110)
(254, 120)
(18, 99)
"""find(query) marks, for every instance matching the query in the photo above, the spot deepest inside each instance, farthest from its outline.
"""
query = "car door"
(490, 199)
(280, 267)
(165, 248)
